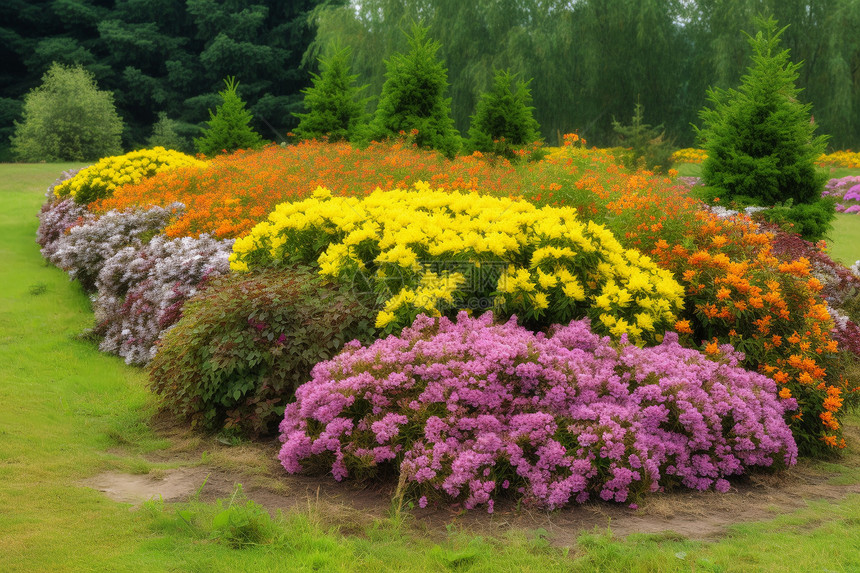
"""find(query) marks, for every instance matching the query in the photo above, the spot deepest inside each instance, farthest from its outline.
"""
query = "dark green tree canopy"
(414, 97)
(163, 55)
(229, 125)
(503, 117)
(759, 137)
(335, 110)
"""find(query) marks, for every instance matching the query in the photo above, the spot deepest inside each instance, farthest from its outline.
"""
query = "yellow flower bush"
(840, 159)
(689, 155)
(849, 159)
(100, 180)
(433, 251)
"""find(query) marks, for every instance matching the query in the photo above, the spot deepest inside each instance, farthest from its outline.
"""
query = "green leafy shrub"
(413, 98)
(229, 125)
(67, 118)
(503, 120)
(245, 343)
(645, 146)
(335, 110)
(760, 142)
(811, 221)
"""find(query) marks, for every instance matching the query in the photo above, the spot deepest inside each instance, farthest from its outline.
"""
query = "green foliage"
(413, 98)
(165, 133)
(229, 125)
(67, 118)
(334, 109)
(812, 221)
(503, 120)
(243, 346)
(759, 138)
(648, 148)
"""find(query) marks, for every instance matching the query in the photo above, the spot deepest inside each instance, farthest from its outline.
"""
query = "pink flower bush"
(846, 191)
(469, 409)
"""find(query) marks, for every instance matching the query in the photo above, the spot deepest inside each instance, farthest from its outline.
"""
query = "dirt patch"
(170, 485)
(352, 507)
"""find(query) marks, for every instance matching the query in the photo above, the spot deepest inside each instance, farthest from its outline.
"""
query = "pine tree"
(413, 97)
(165, 134)
(334, 109)
(229, 127)
(503, 119)
(759, 138)
(648, 147)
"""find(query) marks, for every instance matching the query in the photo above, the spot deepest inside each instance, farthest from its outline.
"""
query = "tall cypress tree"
(413, 97)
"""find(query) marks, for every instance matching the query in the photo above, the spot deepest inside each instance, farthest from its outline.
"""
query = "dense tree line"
(592, 60)
(168, 56)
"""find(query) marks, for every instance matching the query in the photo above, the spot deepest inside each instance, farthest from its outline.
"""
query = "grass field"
(70, 412)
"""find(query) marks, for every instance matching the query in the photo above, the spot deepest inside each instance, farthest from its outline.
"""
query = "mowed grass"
(844, 242)
(68, 412)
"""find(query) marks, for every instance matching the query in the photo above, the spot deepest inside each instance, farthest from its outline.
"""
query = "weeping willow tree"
(594, 59)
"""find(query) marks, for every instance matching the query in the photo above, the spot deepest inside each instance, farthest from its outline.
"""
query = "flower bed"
(99, 181)
(848, 159)
(466, 410)
(429, 251)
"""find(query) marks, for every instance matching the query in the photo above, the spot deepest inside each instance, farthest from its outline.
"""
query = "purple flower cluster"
(469, 409)
(846, 190)
(140, 290)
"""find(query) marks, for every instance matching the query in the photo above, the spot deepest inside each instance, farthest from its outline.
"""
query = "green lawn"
(844, 243)
(70, 412)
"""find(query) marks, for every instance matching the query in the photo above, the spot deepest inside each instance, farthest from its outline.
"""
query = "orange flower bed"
(239, 190)
(739, 293)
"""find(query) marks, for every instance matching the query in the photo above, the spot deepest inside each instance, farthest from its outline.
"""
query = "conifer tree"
(229, 127)
(165, 134)
(413, 97)
(503, 119)
(334, 109)
(759, 138)
(648, 147)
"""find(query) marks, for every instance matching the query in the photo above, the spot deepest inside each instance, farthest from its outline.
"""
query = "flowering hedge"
(846, 191)
(109, 173)
(849, 159)
(140, 290)
(689, 155)
(739, 293)
(82, 249)
(470, 409)
(431, 251)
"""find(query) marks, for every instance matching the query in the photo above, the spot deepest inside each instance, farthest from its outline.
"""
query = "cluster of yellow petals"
(849, 158)
(546, 256)
(104, 177)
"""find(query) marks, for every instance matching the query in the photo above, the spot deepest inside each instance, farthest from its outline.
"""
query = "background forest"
(591, 60)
